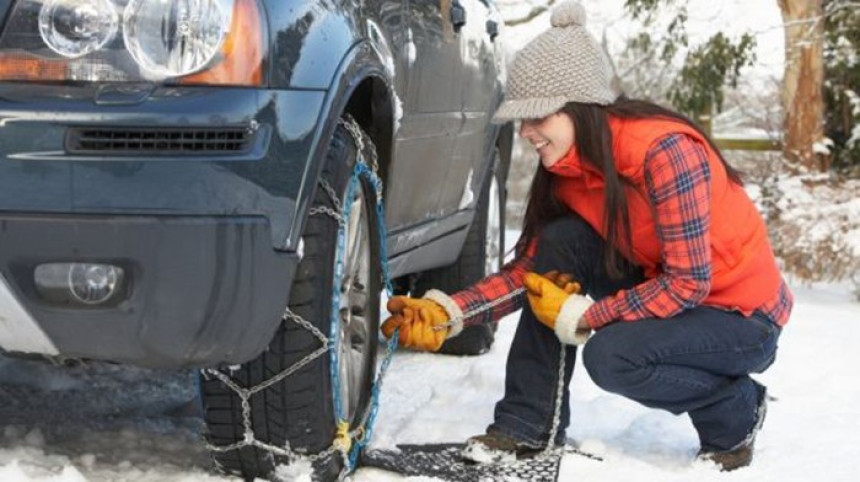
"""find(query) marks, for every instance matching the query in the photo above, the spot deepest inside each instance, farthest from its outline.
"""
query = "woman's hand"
(547, 294)
(556, 302)
(421, 322)
(563, 280)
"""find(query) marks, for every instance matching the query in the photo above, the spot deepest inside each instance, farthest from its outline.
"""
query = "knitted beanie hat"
(564, 64)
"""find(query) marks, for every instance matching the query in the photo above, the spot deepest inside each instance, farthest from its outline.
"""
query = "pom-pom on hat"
(564, 64)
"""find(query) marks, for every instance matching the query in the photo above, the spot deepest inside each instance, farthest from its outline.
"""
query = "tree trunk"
(803, 91)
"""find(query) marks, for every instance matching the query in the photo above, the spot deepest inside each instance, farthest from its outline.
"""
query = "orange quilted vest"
(743, 268)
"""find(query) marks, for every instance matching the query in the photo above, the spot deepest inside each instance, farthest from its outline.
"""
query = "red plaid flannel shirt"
(678, 178)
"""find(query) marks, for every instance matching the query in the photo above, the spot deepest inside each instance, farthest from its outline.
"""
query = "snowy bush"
(814, 225)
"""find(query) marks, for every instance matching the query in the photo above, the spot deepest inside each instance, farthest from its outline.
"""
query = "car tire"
(482, 255)
(300, 408)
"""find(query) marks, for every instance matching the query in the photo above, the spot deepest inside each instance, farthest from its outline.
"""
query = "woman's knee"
(563, 242)
(607, 362)
(597, 360)
(565, 229)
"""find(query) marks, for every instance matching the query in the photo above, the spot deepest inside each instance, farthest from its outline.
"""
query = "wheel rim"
(354, 341)
(493, 261)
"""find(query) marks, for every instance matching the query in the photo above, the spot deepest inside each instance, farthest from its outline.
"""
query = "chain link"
(245, 395)
(337, 212)
(358, 137)
(362, 434)
(329, 212)
(477, 311)
(559, 399)
(331, 195)
(354, 130)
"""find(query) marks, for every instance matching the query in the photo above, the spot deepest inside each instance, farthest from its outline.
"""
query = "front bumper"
(203, 290)
(135, 170)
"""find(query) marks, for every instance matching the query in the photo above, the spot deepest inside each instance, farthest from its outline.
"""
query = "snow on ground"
(104, 423)
(811, 430)
(98, 423)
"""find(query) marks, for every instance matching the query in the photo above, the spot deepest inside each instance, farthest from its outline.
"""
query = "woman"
(638, 205)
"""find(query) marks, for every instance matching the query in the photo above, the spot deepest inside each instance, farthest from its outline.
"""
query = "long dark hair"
(593, 140)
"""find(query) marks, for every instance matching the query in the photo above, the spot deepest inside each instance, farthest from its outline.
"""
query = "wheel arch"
(371, 104)
(362, 87)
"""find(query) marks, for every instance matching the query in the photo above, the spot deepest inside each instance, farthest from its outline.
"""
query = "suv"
(160, 162)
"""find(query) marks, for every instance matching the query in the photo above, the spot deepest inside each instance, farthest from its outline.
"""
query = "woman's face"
(552, 136)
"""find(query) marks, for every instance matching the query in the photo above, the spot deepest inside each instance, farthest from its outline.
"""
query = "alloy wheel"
(354, 349)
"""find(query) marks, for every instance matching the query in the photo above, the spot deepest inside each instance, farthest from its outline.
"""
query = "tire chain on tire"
(362, 434)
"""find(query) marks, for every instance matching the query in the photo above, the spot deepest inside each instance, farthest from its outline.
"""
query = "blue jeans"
(697, 362)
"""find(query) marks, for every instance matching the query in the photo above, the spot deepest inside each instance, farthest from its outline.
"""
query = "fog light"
(87, 283)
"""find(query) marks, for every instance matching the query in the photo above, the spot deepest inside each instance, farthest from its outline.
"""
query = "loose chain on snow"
(348, 443)
(550, 449)
(559, 399)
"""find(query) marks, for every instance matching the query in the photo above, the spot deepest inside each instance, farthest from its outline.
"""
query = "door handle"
(458, 15)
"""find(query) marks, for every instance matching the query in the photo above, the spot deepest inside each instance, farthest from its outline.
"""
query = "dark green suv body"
(159, 159)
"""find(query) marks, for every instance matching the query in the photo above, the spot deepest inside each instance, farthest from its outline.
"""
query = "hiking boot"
(496, 447)
(741, 454)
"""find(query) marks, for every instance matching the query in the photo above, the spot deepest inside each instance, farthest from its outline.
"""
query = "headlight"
(174, 39)
(73, 28)
(168, 41)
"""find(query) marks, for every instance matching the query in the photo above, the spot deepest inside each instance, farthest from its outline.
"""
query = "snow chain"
(348, 443)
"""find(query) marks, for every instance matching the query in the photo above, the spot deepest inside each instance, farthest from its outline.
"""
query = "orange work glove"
(421, 322)
(561, 309)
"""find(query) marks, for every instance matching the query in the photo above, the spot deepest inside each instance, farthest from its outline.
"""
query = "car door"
(480, 65)
(431, 113)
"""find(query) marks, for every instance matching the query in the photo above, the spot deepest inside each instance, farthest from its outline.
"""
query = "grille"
(159, 141)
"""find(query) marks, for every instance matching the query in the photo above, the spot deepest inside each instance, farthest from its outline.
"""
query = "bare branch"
(533, 13)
